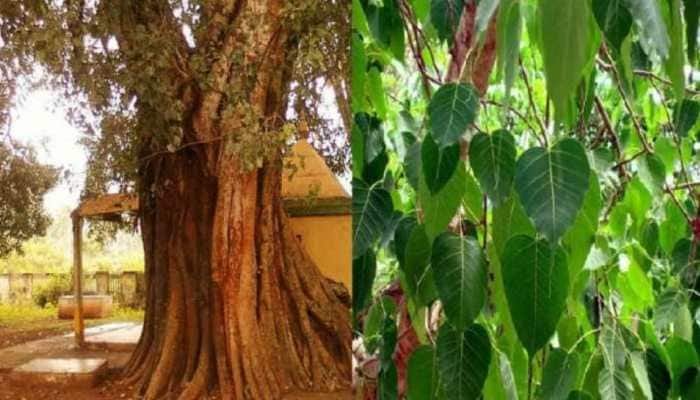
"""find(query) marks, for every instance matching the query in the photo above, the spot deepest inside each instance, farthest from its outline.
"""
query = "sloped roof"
(308, 188)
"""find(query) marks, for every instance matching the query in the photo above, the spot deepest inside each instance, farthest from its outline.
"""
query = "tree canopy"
(526, 179)
(24, 181)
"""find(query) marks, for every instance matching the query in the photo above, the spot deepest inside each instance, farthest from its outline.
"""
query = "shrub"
(49, 292)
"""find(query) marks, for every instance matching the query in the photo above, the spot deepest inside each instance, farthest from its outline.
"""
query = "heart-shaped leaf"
(422, 374)
(463, 361)
(371, 209)
(459, 268)
(452, 109)
(551, 186)
(536, 283)
(614, 20)
(438, 164)
(439, 208)
(419, 275)
(363, 270)
(492, 158)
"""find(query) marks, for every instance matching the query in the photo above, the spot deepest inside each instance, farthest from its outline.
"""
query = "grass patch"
(30, 316)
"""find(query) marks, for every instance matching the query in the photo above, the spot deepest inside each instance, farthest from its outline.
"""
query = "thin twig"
(533, 107)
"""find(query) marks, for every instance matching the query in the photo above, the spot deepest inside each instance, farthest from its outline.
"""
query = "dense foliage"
(53, 252)
(531, 232)
(24, 181)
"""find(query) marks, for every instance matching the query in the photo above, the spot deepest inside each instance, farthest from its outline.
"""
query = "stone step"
(65, 372)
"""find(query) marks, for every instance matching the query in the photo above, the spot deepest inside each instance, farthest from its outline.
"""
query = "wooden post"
(78, 323)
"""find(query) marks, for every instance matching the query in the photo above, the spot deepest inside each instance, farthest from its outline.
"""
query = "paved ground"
(111, 341)
(124, 336)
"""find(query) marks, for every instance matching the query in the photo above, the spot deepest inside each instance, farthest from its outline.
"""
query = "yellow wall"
(327, 239)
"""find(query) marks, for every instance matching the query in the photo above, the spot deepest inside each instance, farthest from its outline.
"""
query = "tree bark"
(233, 299)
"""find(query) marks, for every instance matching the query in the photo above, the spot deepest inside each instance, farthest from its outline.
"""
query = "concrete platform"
(64, 372)
(63, 346)
(123, 338)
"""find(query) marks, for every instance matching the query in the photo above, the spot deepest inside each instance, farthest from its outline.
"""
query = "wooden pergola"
(102, 207)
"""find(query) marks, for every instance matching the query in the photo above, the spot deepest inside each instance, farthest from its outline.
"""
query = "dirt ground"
(112, 389)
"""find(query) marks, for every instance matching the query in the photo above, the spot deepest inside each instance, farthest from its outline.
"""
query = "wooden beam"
(108, 205)
(78, 323)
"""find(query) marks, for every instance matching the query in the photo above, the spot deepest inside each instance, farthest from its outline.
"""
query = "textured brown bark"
(233, 302)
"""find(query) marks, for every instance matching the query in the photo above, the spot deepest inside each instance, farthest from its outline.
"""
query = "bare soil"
(112, 389)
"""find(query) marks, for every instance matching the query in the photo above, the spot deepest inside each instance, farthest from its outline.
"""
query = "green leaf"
(691, 14)
(492, 158)
(388, 382)
(509, 219)
(640, 373)
(568, 47)
(659, 376)
(652, 173)
(412, 164)
(439, 208)
(614, 20)
(614, 384)
(668, 306)
(650, 22)
(559, 375)
(419, 275)
(552, 185)
(459, 268)
(579, 239)
(363, 270)
(579, 395)
(452, 108)
(686, 116)
(509, 27)
(445, 15)
(536, 283)
(683, 357)
(463, 361)
(438, 164)
(371, 209)
(422, 374)
(676, 56)
(359, 72)
(507, 378)
(375, 91)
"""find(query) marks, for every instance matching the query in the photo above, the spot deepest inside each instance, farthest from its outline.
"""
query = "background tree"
(191, 105)
(525, 188)
(24, 181)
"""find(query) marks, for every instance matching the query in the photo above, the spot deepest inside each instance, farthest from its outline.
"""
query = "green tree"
(527, 175)
(24, 181)
(191, 105)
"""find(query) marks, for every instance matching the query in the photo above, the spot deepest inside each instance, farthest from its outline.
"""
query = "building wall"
(328, 240)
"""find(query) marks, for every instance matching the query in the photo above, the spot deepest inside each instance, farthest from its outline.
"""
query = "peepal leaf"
(451, 110)
(536, 283)
(552, 185)
(613, 19)
(371, 209)
(438, 164)
(445, 15)
(463, 357)
(568, 46)
(459, 269)
(492, 158)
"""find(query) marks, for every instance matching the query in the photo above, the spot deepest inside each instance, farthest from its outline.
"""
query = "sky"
(39, 121)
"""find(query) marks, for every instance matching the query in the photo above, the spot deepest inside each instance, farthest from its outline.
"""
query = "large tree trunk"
(233, 299)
